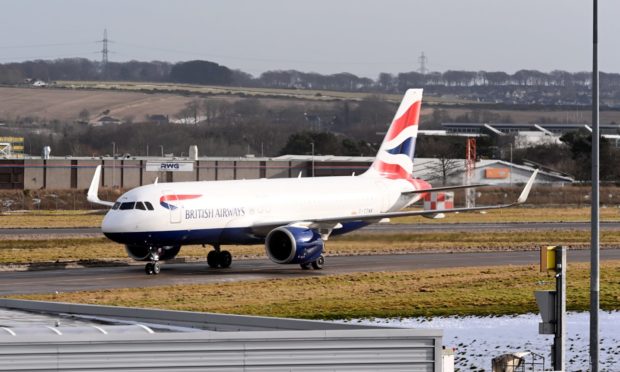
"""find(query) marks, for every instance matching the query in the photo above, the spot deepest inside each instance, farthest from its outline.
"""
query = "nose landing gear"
(153, 267)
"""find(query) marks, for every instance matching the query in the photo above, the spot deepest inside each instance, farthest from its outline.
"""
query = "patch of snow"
(477, 340)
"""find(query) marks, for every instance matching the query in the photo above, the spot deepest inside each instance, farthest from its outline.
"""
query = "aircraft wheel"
(225, 259)
(156, 268)
(148, 269)
(318, 264)
(305, 266)
(212, 259)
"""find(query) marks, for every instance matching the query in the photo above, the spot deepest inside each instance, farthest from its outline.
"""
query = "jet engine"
(293, 245)
(142, 253)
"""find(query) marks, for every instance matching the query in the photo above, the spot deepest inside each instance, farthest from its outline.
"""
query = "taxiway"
(51, 281)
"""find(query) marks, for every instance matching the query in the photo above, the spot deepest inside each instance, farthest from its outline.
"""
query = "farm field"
(136, 100)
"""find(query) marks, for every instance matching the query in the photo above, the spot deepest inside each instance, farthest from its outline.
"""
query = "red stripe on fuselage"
(174, 197)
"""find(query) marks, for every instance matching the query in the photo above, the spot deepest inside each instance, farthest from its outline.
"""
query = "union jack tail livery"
(395, 157)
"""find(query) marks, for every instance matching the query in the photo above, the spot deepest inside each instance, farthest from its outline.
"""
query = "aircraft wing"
(335, 222)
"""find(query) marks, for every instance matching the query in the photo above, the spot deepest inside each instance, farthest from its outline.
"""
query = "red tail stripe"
(409, 118)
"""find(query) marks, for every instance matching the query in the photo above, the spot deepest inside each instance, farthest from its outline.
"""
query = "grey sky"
(326, 36)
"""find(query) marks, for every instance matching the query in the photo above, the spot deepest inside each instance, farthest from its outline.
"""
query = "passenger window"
(149, 206)
(116, 205)
(140, 206)
(127, 206)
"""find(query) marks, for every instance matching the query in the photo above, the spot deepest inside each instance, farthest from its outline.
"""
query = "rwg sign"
(170, 166)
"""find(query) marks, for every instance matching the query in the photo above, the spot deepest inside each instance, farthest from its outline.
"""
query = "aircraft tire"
(148, 269)
(156, 268)
(212, 259)
(305, 266)
(225, 259)
(319, 263)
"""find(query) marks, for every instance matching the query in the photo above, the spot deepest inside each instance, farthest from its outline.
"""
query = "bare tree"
(446, 164)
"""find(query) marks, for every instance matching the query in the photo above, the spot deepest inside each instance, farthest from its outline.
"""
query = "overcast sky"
(327, 36)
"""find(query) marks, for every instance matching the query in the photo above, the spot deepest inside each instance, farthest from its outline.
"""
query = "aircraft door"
(171, 201)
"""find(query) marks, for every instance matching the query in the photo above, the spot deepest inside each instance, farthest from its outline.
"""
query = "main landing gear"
(218, 258)
(316, 265)
(153, 267)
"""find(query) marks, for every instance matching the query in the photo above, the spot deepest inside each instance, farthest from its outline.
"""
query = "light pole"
(510, 172)
(113, 163)
(162, 150)
(147, 150)
(594, 207)
(312, 144)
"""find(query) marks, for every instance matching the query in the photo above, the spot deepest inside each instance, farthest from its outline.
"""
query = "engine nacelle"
(142, 253)
(293, 245)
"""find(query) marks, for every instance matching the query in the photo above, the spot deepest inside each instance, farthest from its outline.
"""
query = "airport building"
(527, 134)
(65, 173)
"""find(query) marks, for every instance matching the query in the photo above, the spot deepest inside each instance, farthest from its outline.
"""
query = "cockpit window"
(127, 206)
(140, 206)
(116, 205)
(149, 206)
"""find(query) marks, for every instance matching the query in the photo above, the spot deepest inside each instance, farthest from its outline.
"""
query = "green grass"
(48, 219)
(519, 214)
(470, 291)
(46, 249)
(307, 94)
(51, 219)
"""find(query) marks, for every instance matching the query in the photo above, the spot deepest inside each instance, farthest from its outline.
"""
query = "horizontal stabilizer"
(444, 188)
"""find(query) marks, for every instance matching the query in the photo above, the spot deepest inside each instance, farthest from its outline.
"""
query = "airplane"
(292, 217)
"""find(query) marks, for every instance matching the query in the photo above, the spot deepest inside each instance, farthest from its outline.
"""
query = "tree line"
(523, 86)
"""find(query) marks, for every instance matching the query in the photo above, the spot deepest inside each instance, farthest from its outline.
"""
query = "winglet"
(93, 190)
(527, 188)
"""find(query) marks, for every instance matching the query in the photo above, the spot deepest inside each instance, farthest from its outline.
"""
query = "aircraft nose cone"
(109, 223)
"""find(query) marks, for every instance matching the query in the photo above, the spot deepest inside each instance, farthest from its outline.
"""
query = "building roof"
(519, 127)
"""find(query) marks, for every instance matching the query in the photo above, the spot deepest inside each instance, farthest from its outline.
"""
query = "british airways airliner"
(291, 217)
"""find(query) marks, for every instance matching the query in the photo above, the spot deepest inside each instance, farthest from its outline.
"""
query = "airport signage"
(169, 166)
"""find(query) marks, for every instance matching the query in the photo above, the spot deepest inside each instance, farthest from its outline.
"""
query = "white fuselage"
(214, 212)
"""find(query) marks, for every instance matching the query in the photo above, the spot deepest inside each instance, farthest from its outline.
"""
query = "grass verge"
(51, 219)
(68, 219)
(469, 291)
(523, 215)
(23, 251)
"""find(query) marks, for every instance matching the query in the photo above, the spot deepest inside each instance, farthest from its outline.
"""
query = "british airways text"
(214, 213)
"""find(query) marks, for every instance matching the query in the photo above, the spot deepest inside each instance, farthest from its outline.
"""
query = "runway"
(51, 281)
(376, 228)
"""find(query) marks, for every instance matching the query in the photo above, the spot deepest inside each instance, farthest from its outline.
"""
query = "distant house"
(189, 120)
(158, 119)
(106, 120)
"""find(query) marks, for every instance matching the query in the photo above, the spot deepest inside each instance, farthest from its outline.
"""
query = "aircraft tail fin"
(395, 157)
